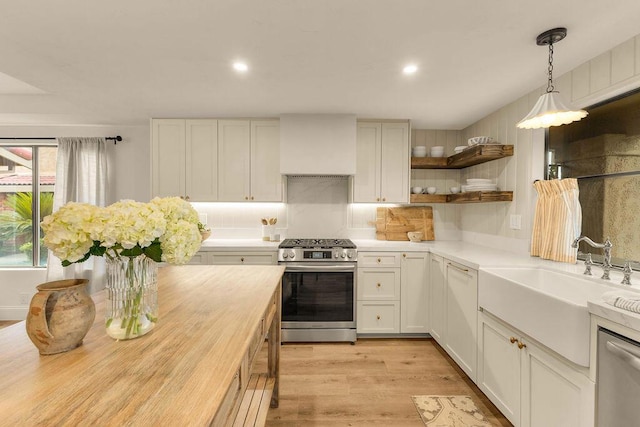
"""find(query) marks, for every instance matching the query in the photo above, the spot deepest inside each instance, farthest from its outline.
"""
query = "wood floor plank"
(367, 384)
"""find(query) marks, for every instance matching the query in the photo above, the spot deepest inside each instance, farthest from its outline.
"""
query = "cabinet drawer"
(379, 259)
(200, 258)
(243, 258)
(378, 317)
(378, 284)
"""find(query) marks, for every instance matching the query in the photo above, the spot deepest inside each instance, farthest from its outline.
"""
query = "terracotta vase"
(60, 315)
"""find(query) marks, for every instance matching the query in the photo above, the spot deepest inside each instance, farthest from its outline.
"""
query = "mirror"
(603, 152)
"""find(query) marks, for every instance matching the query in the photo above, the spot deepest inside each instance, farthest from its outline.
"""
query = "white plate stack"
(459, 149)
(479, 184)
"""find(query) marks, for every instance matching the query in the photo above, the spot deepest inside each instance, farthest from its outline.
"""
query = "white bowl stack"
(437, 151)
(479, 184)
(419, 151)
(459, 149)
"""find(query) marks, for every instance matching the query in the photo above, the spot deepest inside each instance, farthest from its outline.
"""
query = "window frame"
(34, 144)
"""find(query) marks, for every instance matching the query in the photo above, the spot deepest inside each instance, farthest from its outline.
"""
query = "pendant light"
(551, 110)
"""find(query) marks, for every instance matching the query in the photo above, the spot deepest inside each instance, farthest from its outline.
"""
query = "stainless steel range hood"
(318, 144)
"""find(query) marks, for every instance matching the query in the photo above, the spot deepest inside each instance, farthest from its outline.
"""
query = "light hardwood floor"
(370, 383)
(5, 323)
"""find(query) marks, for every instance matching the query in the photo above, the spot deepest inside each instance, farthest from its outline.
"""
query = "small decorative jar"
(132, 296)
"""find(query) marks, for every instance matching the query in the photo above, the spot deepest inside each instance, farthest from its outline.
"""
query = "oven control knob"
(342, 255)
(285, 255)
(336, 255)
(292, 255)
(349, 254)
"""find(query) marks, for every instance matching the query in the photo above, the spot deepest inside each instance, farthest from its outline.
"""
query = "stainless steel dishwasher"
(618, 380)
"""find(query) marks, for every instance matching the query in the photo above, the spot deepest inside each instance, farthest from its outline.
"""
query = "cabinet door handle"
(521, 345)
(458, 268)
(379, 260)
(246, 197)
(384, 199)
(377, 199)
(378, 317)
(241, 259)
(513, 339)
(251, 197)
(378, 285)
(404, 255)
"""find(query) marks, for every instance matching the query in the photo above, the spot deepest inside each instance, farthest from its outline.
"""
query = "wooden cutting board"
(394, 223)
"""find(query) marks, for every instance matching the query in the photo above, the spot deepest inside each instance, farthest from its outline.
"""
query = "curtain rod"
(115, 139)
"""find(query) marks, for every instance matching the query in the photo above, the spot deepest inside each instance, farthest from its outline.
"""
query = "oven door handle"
(624, 354)
(319, 268)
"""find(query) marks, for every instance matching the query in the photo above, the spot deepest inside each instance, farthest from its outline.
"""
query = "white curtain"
(81, 176)
(557, 221)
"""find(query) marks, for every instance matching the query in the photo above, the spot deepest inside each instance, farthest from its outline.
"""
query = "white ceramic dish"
(417, 190)
(431, 190)
(479, 181)
(415, 236)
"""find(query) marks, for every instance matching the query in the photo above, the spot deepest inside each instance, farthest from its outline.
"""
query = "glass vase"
(132, 296)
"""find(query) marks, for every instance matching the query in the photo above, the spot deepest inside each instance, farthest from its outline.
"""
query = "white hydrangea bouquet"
(165, 229)
(133, 237)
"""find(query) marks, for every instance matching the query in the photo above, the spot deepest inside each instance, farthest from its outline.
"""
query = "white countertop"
(234, 245)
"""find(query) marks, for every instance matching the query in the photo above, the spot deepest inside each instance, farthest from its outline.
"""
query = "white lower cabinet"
(414, 301)
(461, 316)
(378, 293)
(392, 293)
(378, 317)
(528, 383)
(234, 258)
(437, 298)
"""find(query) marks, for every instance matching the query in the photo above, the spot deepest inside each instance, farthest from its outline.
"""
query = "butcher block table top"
(177, 374)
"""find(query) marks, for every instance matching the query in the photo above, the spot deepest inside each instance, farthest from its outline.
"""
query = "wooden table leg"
(274, 350)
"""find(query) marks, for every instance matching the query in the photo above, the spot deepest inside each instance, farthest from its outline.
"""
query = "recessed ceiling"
(123, 62)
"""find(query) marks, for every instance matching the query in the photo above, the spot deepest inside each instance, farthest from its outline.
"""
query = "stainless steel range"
(318, 290)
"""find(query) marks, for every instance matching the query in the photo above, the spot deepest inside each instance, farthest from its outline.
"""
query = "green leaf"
(154, 251)
(134, 251)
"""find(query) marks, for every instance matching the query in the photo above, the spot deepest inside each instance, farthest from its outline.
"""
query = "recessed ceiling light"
(240, 67)
(410, 69)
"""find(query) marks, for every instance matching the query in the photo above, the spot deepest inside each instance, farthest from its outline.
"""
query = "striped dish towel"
(625, 300)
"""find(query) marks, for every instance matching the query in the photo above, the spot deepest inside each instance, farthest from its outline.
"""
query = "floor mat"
(449, 411)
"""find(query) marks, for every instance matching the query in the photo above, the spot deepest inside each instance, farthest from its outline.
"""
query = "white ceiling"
(123, 62)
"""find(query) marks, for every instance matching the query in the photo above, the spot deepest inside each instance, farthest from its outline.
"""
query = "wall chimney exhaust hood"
(318, 144)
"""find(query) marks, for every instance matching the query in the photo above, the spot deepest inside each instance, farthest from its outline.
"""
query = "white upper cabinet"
(266, 180)
(184, 159)
(394, 165)
(208, 160)
(168, 157)
(234, 154)
(249, 161)
(382, 163)
(201, 160)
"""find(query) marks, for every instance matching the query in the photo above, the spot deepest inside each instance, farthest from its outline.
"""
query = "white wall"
(129, 177)
(609, 74)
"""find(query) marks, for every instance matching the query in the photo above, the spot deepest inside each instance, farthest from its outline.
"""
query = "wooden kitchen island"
(192, 369)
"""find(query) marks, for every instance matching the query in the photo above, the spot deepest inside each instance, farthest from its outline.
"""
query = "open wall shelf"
(474, 155)
(468, 197)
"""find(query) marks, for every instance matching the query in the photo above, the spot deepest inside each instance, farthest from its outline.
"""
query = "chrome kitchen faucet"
(606, 247)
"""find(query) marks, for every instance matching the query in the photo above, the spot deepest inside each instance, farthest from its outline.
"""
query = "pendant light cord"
(550, 81)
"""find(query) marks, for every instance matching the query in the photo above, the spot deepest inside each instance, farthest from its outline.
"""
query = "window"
(27, 178)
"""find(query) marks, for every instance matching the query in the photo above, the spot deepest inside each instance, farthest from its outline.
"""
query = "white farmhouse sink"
(547, 305)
